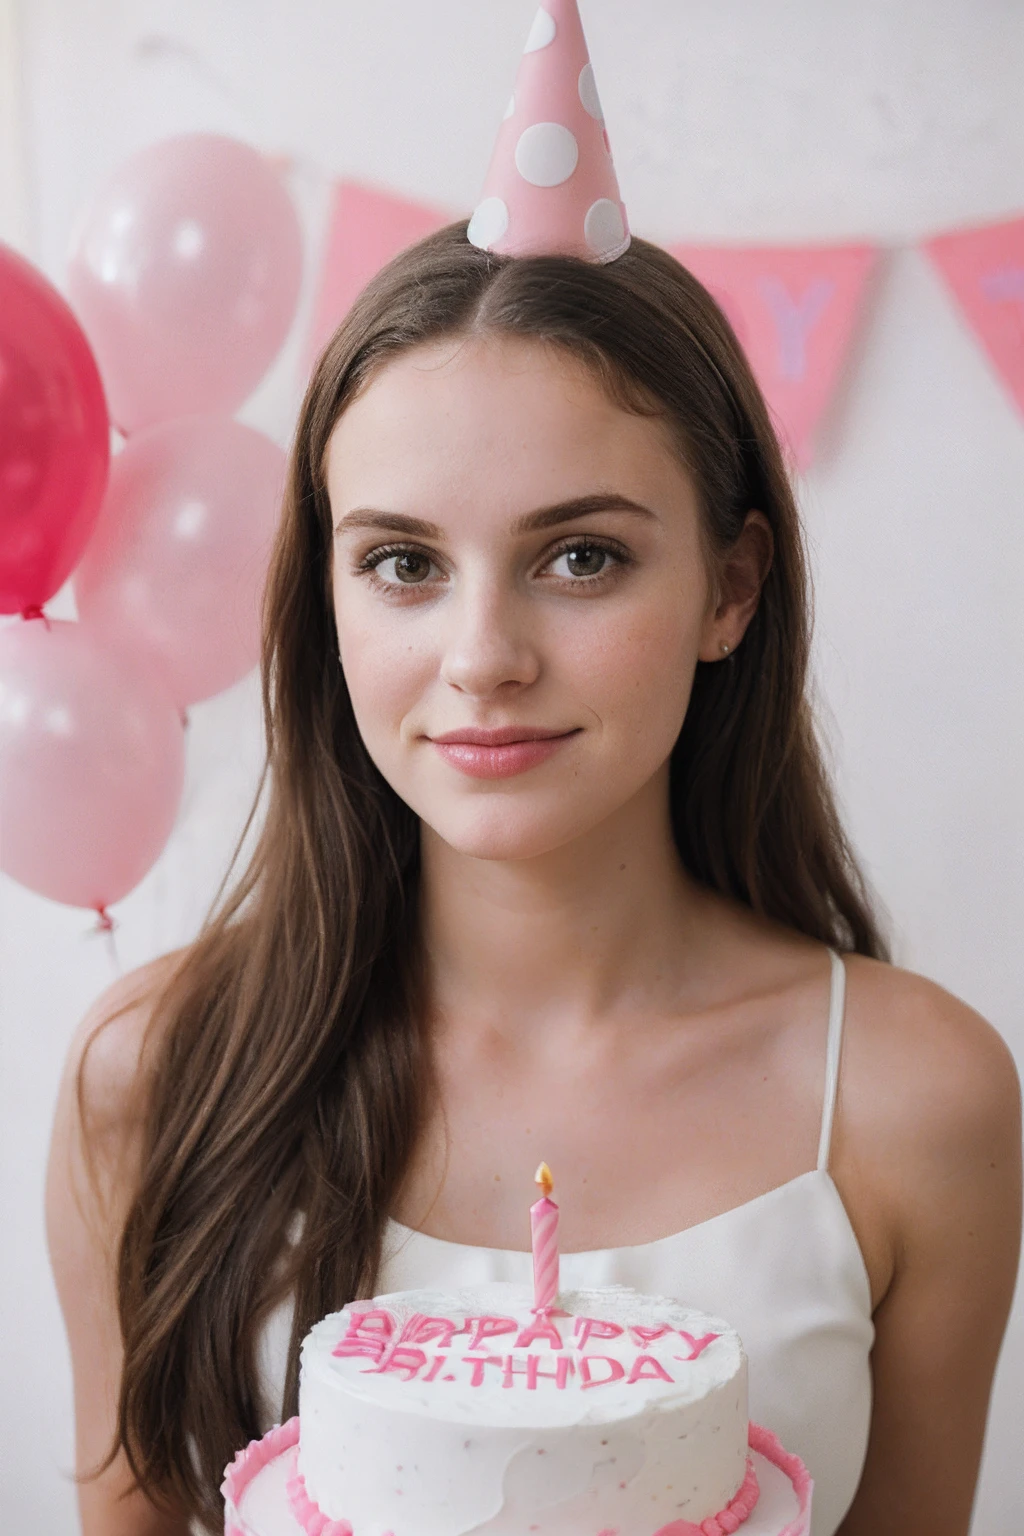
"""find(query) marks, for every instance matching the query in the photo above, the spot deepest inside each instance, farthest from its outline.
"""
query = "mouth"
(499, 754)
(501, 736)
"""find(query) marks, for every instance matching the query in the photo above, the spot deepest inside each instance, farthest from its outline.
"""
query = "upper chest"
(646, 1131)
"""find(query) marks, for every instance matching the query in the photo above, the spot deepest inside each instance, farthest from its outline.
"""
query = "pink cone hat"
(551, 187)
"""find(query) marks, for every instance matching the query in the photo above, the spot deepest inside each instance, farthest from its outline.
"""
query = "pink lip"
(498, 736)
(499, 754)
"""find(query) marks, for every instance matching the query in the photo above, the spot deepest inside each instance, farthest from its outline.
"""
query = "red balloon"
(54, 437)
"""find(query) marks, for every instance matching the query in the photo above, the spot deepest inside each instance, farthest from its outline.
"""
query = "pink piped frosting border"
(771, 1448)
(285, 1437)
(308, 1512)
(247, 1464)
(729, 1519)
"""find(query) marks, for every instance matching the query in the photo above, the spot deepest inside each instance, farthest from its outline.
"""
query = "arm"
(84, 1217)
(948, 1178)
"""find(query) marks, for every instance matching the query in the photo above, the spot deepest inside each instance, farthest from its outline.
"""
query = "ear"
(741, 576)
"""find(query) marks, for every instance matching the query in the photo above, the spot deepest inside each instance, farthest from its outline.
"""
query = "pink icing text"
(488, 1328)
(697, 1346)
(374, 1335)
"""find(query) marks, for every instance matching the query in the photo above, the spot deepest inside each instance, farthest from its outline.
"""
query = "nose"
(490, 642)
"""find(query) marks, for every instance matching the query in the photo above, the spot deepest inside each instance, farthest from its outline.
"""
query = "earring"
(725, 649)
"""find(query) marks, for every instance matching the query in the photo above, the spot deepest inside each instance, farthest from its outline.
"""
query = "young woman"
(550, 867)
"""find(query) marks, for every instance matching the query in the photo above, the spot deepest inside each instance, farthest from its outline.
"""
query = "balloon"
(92, 763)
(54, 437)
(179, 557)
(186, 274)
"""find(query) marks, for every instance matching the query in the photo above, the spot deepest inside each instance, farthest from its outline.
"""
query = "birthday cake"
(423, 1413)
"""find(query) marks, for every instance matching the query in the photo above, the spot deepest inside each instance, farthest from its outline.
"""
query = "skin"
(659, 1046)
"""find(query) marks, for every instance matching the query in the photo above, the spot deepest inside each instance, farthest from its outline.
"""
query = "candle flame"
(544, 1179)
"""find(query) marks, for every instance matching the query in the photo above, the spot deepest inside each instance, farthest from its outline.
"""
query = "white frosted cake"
(425, 1413)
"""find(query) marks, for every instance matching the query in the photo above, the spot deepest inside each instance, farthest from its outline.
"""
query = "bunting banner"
(365, 228)
(984, 268)
(795, 309)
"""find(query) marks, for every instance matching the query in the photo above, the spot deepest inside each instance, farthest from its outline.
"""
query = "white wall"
(728, 119)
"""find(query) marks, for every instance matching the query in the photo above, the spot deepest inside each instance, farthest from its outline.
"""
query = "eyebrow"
(530, 522)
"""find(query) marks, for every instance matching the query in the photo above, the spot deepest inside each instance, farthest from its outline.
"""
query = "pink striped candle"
(544, 1233)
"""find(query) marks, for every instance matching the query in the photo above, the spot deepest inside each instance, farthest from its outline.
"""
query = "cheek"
(384, 668)
(637, 671)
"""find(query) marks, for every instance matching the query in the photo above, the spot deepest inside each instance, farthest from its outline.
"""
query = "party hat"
(551, 187)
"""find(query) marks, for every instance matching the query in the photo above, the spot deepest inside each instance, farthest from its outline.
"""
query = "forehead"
(505, 422)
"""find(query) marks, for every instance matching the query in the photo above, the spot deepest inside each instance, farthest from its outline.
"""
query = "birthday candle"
(544, 1232)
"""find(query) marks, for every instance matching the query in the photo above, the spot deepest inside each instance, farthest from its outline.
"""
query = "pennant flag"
(984, 268)
(366, 227)
(794, 310)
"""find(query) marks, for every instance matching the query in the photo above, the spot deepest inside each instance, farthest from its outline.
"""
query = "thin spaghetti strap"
(837, 1006)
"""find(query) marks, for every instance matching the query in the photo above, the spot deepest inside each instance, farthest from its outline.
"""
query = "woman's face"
(512, 549)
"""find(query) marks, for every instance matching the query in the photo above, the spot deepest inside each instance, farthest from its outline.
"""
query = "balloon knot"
(104, 922)
(34, 611)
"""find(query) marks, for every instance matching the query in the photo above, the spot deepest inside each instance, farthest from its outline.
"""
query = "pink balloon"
(179, 557)
(186, 275)
(92, 763)
(54, 437)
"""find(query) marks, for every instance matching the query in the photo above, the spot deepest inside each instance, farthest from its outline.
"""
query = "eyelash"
(367, 566)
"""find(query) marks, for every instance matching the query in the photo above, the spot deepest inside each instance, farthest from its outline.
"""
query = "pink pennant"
(366, 227)
(794, 310)
(984, 267)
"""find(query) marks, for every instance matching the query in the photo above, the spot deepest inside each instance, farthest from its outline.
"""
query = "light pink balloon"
(92, 763)
(185, 274)
(178, 559)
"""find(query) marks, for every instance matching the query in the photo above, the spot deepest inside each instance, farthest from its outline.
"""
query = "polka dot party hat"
(551, 187)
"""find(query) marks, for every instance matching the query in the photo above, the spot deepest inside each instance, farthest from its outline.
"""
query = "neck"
(605, 924)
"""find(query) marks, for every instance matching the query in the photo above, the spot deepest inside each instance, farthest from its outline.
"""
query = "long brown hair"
(290, 1063)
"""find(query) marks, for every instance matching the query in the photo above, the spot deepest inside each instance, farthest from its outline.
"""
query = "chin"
(503, 833)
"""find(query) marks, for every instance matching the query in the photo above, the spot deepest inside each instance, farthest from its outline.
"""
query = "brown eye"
(410, 567)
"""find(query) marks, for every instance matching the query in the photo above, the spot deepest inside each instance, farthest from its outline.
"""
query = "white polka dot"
(604, 230)
(542, 32)
(588, 92)
(511, 106)
(488, 224)
(546, 154)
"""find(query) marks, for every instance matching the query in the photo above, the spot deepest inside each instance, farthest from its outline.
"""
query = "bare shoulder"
(922, 1067)
(926, 1148)
(95, 1143)
(110, 1047)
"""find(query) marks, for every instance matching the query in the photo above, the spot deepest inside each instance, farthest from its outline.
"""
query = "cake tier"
(444, 1414)
(264, 1494)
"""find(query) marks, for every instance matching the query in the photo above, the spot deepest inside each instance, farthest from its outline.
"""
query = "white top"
(784, 1269)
